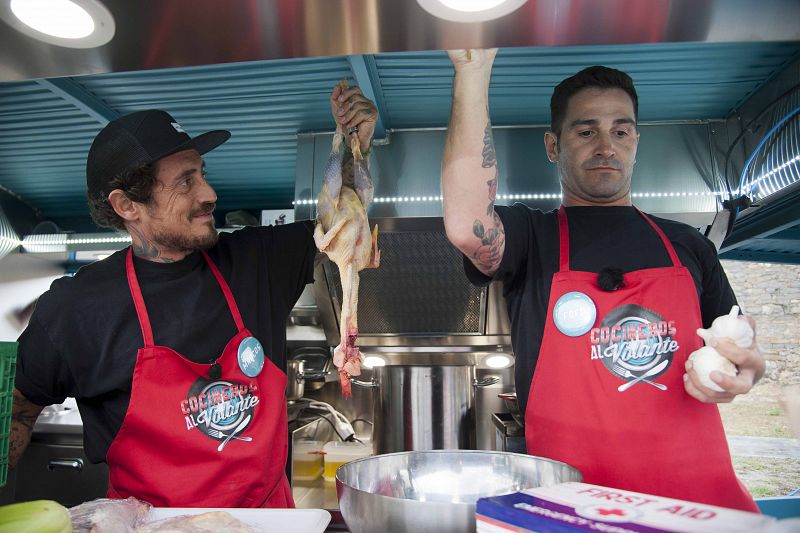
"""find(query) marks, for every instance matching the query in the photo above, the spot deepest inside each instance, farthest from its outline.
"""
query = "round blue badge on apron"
(251, 357)
(574, 314)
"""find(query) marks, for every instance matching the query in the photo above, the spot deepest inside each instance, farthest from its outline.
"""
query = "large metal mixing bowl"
(435, 490)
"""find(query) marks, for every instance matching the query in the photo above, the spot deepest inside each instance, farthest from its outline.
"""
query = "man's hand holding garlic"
(710, 372)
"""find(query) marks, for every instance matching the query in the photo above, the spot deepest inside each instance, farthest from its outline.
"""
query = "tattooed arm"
(469, 166)
(23, 417)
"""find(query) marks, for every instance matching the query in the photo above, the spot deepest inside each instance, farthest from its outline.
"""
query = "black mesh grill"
(419, 289)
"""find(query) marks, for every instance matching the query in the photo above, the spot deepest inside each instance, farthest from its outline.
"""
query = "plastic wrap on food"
(107, 515)
(210, 522)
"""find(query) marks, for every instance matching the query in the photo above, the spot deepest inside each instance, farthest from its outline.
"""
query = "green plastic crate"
(8, 367)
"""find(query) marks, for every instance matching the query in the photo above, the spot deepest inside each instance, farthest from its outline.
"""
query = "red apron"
(191, 441)
(586, 406)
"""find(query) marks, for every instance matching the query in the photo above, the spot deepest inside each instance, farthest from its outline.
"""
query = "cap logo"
(178, 127)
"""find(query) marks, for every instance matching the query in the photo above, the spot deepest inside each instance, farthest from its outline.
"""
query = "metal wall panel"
(674, 173)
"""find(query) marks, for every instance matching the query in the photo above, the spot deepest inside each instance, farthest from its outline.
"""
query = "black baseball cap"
(138, 139)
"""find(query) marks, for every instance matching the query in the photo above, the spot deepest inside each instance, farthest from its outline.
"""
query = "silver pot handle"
(69, 464)
(485, 382)
(366, 384)
(312, 375)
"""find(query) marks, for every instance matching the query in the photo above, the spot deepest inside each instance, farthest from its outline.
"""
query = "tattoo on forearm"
(25, 420)
(489, 155)
(492, 183)
(17, 443)
(23, 417)
(487, 255)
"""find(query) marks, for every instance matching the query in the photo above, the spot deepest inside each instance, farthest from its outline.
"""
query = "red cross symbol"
(606, 512)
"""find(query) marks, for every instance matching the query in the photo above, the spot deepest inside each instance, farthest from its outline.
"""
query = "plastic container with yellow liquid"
(307, 460)
(338, 453)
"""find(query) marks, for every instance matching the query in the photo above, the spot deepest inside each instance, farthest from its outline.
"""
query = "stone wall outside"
(770, 294)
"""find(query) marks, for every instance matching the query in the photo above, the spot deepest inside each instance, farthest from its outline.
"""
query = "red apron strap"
(138, 300)
(668, 245)
(237, 318)
(563, 239)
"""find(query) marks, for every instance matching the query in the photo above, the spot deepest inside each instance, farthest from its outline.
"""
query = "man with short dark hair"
(175, 347)
(604, 300)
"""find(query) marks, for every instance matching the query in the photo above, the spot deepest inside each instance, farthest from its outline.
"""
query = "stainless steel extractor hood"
(419, 296)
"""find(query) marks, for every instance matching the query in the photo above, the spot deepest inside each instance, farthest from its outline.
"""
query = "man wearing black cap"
(174, 348)
(120, 181)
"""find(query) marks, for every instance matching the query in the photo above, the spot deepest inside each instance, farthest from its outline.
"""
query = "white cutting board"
(266, 520)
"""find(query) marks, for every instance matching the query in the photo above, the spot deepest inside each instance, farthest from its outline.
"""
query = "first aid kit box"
(571, 507)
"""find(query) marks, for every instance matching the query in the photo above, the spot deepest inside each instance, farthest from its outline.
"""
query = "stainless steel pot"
(424, 407)
(317, 363)
(435, 490)
(297, 376)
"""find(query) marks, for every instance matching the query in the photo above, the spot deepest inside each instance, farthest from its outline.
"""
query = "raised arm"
(469, 165)
(23, 416)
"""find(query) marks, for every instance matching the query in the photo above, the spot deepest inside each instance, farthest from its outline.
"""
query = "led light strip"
(60, 240)
(533, 196)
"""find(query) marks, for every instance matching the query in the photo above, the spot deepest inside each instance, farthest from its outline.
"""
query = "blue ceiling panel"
(674, 81)
(45, 132)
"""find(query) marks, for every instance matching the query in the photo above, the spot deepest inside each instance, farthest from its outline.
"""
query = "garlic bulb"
(706, 359)
(730, 326)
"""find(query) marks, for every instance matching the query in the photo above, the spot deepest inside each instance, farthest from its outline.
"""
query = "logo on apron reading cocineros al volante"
(220, 409)
(635, 344)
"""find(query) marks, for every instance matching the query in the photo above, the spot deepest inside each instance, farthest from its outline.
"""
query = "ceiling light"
(68, 23)
(470, 10)
(59, 18)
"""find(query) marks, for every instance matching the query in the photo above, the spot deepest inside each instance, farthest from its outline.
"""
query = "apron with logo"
(197, 436)
(607, 396)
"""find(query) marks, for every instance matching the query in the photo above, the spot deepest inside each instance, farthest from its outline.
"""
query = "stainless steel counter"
(316, 494)
(319, 494)
(54, 466)
(63, 419)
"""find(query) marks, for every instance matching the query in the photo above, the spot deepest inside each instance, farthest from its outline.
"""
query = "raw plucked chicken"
(106, 515)
(207, 522)
(342, 233)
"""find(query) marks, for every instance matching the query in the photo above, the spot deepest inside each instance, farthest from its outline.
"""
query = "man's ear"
(124, 206)
(551, 146)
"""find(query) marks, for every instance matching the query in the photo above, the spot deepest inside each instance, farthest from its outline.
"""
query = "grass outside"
(760, 414)
(766, 477)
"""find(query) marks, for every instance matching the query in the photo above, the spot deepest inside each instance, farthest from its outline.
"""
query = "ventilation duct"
(9, 240)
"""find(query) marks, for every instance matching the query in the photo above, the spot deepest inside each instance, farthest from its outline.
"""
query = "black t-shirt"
(599, 237)
(84, 334)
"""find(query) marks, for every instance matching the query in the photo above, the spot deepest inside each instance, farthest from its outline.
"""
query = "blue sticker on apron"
(574, 314)
(251, 357)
